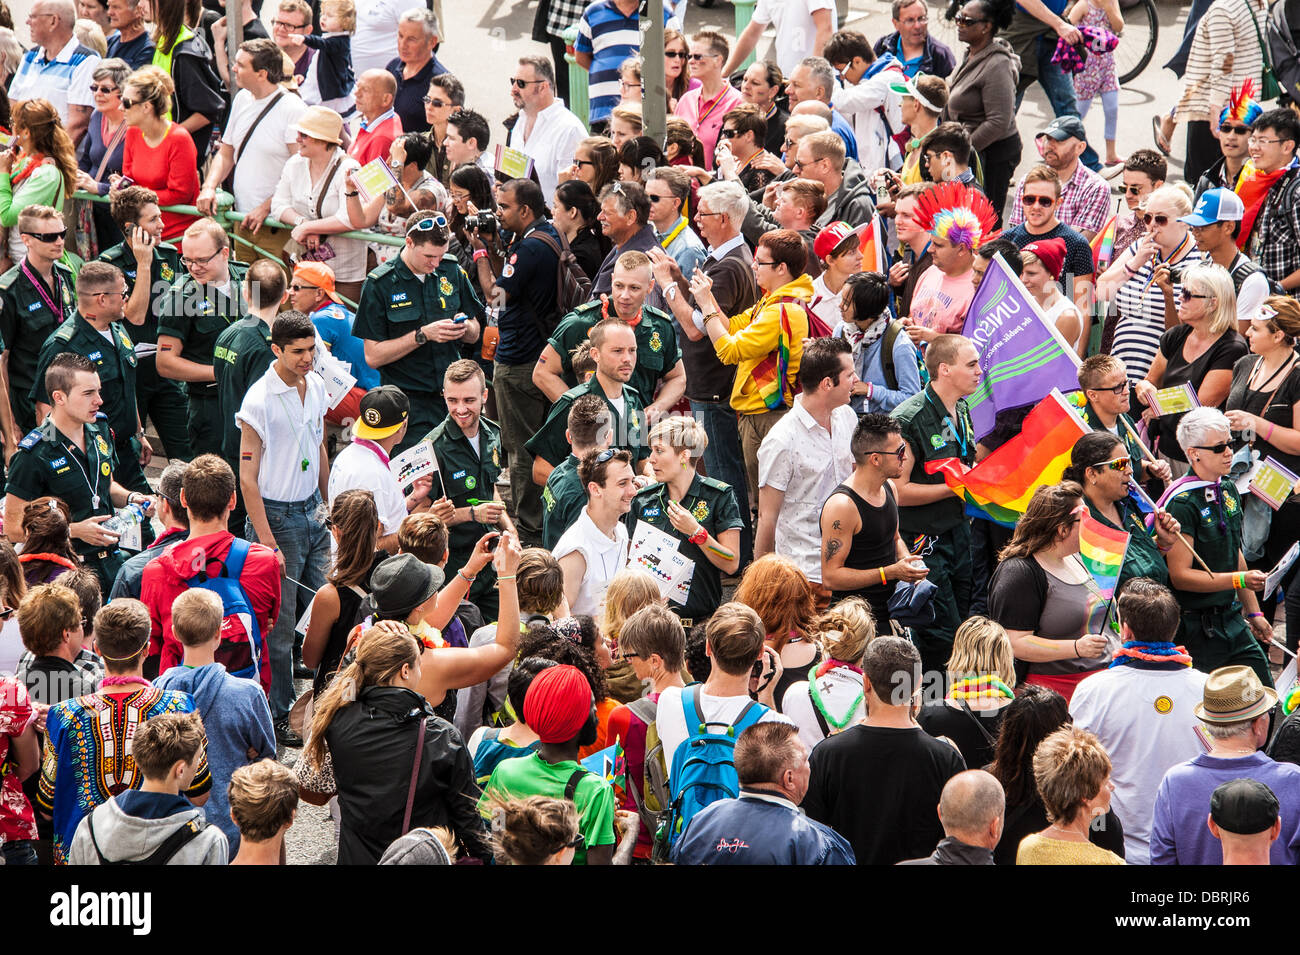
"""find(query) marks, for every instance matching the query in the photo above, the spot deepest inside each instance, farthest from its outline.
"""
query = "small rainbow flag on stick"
(1102, 551)
(871, 241)
(999, 487)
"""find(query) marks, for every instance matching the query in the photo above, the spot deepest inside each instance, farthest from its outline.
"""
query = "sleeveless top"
(873, 545)
(336, 643)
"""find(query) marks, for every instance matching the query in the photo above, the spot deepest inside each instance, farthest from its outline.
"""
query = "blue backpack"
(703, 768)
(240, 650)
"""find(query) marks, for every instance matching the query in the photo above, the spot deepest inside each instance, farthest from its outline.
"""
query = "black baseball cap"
(383, 411)
(1065, 127)
(1244, 807)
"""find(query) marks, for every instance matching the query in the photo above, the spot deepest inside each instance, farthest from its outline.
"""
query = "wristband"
(1129, 270)
(480, 254)
(871, 388)
(1271, 428)
(462, 575)
(351, 195)
(508, 577)
(1239, 580)
(1255, 614)
(883, 579)
(1076, 646)
(471, 514)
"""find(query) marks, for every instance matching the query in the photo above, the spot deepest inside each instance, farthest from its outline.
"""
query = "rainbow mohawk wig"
(1241, 105)
(957, 213)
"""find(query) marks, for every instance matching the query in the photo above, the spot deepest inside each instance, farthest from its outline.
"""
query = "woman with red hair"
(776, 589)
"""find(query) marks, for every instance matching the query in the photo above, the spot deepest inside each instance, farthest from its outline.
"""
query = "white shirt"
(1144, 720)
(291, 431)
(374, 44)
(269, 148)
(63, 79)
(824, 303)
(840, 691)
(795, 31)
(295, 190)
(806, 461)
(670, 718)
(555, 135)
(860, 104)
(605, 557)
(358, 466)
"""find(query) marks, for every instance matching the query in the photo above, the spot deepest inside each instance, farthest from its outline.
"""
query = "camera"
(484, 222)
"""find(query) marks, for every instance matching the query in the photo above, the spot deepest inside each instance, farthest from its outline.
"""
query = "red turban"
(558, 703)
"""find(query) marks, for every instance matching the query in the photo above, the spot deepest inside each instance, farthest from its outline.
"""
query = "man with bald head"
(971, 808)
(375, 94)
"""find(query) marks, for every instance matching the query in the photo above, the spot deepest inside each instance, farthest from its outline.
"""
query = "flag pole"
(1155, 509)
(1134, 435)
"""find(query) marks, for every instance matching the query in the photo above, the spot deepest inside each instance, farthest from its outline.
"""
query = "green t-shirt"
(26, 319)
(115, 363)
(932, 435)
(468, 475)
(241, 356)
(1215, 529)
(163, 272)
(657, 350)
(534, 776)
(197, 315)
(48, 463)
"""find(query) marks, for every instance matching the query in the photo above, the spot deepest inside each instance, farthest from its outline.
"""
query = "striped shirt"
(64, 80)
(1225, 30)
(610, 38)
(1141, 306)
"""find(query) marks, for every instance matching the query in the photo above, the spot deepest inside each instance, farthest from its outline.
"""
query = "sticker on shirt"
(444, 286)
(656, 343)
(514, 258)
(508, 271)
(471, 482)
(1163, 705)
(458, 475)
(104, 469)
(700, 511)
(166, 273)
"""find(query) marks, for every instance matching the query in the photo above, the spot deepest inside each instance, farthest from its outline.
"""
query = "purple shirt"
(1179, 832)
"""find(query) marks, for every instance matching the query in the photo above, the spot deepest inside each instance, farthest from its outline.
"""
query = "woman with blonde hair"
(538, 830)
(981, 675)
(776, 589)
(628, 592)
(625, 123)
(829, 699)
(40, 171)
(367, 721)
(159, 154)
(1200, 351)
(1072, 773)
(1040, 592)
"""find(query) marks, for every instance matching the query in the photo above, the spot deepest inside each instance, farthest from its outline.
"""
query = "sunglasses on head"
(47, 236)
(1044, 201)
(1213, 448)
(428, 223)
(606, 455)
(1158, 218)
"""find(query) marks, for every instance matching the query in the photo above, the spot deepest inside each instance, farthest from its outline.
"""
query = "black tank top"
(873, 545)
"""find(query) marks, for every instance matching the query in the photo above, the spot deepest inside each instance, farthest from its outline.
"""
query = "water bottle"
(126, 525)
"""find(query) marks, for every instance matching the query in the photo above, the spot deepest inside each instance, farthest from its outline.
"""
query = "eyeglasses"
(1044, 201)
(964, 21)
(521, 83)
(1119, 464)
(295, 287)
(1213, 448)
(632, 656)
(190, 263)
(1159, 219)
(1187, 296)
(47, 236)
(583, 162)
(435, 103)
(705, 215)
(900, 452)
(1229, 128)
(95, 88)
(1113, 389)
(124, 294)
(1259, 141)
(286, 25)
(914, 21)
(675, 54)
(757, 263)
(730, 133)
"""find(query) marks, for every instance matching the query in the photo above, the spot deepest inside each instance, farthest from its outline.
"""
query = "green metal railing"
(579, 103)
(744, 12)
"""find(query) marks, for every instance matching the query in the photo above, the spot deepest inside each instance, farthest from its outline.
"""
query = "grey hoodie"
(129, 838)
(982, 94)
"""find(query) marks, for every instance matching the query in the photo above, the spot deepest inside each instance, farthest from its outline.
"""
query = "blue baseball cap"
(1216, 205)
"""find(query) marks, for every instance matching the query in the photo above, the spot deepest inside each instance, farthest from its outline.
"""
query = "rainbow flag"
(871, 238)
(1102, 551)
(772, 372)
(1103, 246)
(999, 487)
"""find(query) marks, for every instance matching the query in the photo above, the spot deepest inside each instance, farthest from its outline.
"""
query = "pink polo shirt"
(709, 128)
(375, 139)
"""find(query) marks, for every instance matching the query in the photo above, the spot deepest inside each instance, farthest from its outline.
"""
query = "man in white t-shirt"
(806, 456)
(595, 548)
(1141, 710)
(802, 29)
(284, 473)
(734, 642)
(382, 423)
(374, 43)
(57, 68)
(256, 143)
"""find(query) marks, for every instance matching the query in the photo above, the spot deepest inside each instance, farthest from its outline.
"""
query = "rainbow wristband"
(1239, 580)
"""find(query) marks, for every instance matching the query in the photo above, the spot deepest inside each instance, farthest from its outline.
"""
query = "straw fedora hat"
(1234, 694)
(321, 122)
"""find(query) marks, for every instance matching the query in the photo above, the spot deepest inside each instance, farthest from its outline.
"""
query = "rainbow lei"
(984, 686)
(1291, 700)
(1151, 653)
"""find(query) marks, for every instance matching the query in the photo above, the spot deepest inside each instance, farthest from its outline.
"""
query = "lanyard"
(71, 449)
(379, 452)
(959, 433)
(706, 111)
(40, 288)
(1159, 261)
(299, 429)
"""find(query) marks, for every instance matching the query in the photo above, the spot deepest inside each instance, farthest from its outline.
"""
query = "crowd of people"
(585, 498)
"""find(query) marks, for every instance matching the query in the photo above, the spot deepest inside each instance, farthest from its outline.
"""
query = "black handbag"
(912, 603)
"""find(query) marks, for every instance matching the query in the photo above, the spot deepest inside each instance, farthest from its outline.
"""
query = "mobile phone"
(460, 319)
(492, 544)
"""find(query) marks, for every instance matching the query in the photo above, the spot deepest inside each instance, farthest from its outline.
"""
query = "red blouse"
(169, 169)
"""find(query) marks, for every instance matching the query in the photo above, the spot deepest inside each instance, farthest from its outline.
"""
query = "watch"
(420, 337)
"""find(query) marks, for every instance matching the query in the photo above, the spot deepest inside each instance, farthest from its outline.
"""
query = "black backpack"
(572, 287)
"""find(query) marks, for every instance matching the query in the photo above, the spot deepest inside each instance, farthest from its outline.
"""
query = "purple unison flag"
(1022, 356)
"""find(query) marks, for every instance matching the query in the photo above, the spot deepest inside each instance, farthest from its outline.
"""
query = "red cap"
(1051, 252)
(830, 238)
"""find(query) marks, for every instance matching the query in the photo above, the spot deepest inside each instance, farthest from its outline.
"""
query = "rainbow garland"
(1166, 653)
(1291, 700)
(985, 686)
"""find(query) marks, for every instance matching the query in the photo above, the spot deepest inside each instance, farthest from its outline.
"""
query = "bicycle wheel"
(1138, 43)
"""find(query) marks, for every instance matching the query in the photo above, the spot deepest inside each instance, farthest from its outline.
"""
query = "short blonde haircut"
(1070, 767)
(807, 194)
(91, 35)
(826, 144)
(629, 113)
(154, 86)
(1177, 194)
(1041, 172)
(262, 797)
(345, 10)
(805, 124)
(197, 616)
(681, 434)
(846, 629)
(31, 215)
(628, 592)
(211, 228)
(1214, 280)
(981, 647)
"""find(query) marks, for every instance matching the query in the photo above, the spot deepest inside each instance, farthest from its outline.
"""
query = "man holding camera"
(416, 312)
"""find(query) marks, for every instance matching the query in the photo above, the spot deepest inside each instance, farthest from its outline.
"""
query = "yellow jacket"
(753, 338)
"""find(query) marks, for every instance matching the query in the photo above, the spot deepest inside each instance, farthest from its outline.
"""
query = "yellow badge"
(104, 469)
(101, 444)
(496, 458)
(444, 286)
(656, 343)
(166, 273)
(700, 510)
(1230, 504)
(1163, 705)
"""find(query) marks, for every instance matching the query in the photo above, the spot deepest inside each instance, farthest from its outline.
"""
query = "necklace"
(1259, 365)
(1166, 259)
(632, 322)
(815, 694)
(667, 240)
(1074, 834)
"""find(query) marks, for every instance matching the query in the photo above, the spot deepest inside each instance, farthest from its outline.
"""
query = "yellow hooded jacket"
(754, 335)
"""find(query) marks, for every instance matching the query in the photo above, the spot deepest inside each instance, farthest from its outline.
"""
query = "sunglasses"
(102, 89)
(1119, 464)
(653, 198)
(435, 103)
(1188, 296)
(1044, 201)
(1213, 448)
(584, 162)
(7, 612)
(295, 287)
(606, 455)
(964, 21)
(127, 103)
(47, 236)
(523, 83)
(1132, 190)
(676, 54)
(730, 133)
(700, 56)
(428, 223)
(1159, 219)
(1229, 128)
(577, 842)
(900, 452)
(124, 294)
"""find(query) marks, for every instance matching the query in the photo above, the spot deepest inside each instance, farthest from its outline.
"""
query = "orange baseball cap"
(318, 275)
